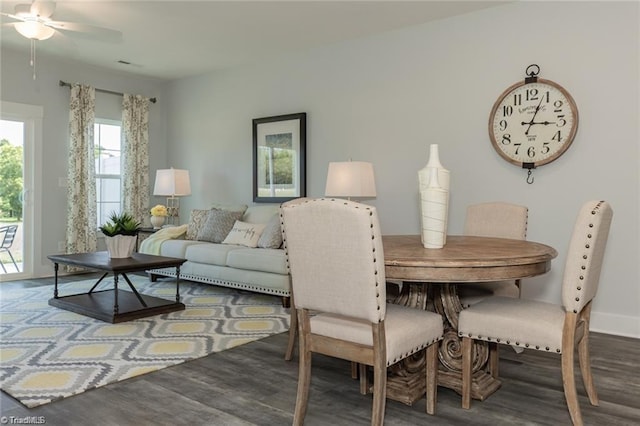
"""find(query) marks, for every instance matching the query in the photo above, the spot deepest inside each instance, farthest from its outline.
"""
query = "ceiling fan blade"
(17, 18)
(101, 32)
(44, 9)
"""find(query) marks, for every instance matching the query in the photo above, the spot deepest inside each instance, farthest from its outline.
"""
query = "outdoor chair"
(9, 232)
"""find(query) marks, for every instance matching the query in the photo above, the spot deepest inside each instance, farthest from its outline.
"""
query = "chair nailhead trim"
(508, 342)
(411, 352)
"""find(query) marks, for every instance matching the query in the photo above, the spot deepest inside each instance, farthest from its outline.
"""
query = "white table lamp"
(350, 179)
(172, 183)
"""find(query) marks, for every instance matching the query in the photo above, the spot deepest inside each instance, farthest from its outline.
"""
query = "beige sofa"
(261, 269)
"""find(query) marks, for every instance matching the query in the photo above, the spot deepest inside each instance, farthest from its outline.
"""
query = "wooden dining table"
(429, 278)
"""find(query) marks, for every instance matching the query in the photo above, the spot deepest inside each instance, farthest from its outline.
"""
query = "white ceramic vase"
(157, 221)
(434, 182)
(120, 246)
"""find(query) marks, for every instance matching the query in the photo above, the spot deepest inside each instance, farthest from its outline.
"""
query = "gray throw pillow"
(271, 236)
(217, 226)
(196, 220)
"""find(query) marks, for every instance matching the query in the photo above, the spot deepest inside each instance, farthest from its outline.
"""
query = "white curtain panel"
(135, 177)
(81, 187)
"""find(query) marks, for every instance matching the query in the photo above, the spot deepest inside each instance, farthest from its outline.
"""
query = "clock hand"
(531, 123)
(534, 116)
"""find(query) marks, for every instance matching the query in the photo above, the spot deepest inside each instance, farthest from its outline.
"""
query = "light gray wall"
(18, 86)
(384, 99)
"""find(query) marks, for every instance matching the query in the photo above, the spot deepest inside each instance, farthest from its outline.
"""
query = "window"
(108, 150)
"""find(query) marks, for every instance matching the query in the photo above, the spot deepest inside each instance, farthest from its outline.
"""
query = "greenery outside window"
(108, 155)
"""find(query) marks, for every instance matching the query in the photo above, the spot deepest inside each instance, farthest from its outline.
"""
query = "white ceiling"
(174, 39)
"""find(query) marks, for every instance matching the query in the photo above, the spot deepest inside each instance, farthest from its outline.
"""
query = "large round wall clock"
(533, 122)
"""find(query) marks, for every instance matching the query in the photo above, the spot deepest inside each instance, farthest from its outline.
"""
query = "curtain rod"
(64, 83)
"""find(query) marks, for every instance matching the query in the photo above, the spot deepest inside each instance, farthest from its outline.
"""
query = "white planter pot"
(120, 246)
(157, 221)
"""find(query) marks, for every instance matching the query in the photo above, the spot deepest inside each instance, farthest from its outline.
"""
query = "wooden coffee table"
(116, 305)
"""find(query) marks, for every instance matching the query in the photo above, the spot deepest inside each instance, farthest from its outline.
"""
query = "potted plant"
(120, 233)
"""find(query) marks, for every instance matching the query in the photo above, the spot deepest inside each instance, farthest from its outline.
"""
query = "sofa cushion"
(177, 248)
(272, 235)
(265, 260)
(245, 234)
(217, 226)
(213, 254)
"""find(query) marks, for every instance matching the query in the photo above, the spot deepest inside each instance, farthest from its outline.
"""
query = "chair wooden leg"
(467, 348)
(584, 358)
(379, 393)
(585, 368)
(379, 375)
(568, 378)
(364, 382)
(304, 373)
(293, 332)
(431, 371)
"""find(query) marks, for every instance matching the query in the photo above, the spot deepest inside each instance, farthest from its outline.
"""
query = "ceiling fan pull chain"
(33, 57)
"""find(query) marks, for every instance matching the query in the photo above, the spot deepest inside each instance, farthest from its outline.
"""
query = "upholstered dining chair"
(336, 260)
(500, 220)
(545, 326)
(8, 234)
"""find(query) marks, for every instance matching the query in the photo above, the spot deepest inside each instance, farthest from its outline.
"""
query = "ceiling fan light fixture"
(34, 30)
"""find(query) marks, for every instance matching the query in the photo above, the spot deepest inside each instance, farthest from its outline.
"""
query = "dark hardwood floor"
(253, 385)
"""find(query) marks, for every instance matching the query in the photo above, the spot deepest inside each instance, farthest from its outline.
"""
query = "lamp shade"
(350, 179)
(34, 30)
(172, 182)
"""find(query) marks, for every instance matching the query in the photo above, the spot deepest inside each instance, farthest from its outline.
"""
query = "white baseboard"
(619, 325)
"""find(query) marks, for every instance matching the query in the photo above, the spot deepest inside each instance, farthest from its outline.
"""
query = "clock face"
(532, 124)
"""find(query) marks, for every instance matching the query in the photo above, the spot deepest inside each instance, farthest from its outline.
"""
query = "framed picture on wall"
(279, 158)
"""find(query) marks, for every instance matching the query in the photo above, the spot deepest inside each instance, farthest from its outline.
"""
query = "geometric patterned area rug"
(47, 353)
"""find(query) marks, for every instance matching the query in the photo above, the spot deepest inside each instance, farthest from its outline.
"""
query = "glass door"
(11, 196)
(20, 126)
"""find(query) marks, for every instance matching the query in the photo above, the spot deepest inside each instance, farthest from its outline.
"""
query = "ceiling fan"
(35, 22)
